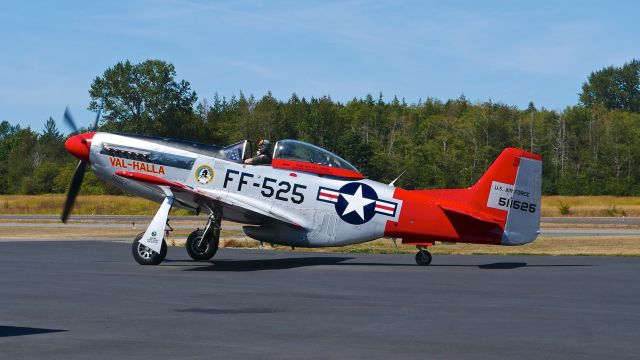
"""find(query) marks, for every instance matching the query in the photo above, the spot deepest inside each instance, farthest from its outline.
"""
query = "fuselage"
(309, 197)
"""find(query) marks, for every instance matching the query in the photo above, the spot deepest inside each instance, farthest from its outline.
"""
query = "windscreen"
(301, 151)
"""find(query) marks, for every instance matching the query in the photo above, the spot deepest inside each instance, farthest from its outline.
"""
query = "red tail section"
(509, 189)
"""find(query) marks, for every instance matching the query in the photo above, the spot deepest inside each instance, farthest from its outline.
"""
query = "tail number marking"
(517, 205)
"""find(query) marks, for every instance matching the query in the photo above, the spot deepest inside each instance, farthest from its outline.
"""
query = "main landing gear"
(145, 255)
(423, 256)
(203, 244)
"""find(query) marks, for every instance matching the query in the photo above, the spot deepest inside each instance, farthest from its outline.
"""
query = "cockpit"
(297, 155)
(302, 156)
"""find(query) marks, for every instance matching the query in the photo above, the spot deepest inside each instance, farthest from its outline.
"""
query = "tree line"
(591, 148)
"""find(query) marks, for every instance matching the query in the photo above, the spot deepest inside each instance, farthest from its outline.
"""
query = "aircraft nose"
(79, 145)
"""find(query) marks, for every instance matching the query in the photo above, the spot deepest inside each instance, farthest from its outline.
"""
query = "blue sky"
(508, 51)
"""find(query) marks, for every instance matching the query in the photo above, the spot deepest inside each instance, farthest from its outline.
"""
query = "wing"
(236, 207)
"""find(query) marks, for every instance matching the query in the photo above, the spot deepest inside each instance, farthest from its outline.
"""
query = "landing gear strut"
(203, 244)
(423, 256)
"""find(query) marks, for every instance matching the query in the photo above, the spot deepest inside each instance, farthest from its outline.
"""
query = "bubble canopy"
(302, 156)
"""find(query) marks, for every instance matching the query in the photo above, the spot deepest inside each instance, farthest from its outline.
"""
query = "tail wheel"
(423, 257)
(200, 249)
(144, 255)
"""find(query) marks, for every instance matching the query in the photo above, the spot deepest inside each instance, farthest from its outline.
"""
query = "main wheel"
(144, 255)
(423, 258)
(200, 249)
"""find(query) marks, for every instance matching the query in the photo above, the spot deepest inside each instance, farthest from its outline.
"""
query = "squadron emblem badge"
(204, 174)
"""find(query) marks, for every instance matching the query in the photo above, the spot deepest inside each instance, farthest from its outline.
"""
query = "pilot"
(263, 155)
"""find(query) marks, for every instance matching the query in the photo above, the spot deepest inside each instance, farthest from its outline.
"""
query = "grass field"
(127, 205)
(591, 205)
(85, 205)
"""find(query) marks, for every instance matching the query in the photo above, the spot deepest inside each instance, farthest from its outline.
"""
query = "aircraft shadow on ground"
(297, 262)
(268, 264)
(7, 331)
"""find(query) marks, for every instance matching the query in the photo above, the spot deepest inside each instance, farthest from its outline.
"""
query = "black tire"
(145, 256)
(423, 258)
(201, 250)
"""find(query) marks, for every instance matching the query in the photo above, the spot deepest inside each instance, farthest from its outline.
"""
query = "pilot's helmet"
(264, 146)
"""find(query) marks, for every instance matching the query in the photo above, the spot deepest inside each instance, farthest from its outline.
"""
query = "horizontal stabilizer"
(478, 215)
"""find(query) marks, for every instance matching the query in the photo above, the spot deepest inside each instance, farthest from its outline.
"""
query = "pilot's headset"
(264, 146)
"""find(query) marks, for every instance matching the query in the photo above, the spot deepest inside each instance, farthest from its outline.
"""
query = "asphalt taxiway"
(89, 299)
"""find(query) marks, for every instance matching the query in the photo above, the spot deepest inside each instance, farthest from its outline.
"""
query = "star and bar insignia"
(356, 203)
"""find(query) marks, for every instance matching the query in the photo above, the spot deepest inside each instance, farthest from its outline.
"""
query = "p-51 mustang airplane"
(307, 196)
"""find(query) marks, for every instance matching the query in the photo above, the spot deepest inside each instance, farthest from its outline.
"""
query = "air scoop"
(79, 145)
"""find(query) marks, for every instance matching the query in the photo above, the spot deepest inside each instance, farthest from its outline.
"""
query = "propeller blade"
(68, 119)
(76, 183)
(94, 127)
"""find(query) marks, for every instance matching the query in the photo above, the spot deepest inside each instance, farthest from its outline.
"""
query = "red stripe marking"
(385, 207)
(149, 179)
(315, 168)
(328, 195)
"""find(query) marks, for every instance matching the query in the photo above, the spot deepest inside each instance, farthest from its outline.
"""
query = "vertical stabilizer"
(510, 191)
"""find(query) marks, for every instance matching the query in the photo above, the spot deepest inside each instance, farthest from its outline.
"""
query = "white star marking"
(356, 203)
